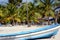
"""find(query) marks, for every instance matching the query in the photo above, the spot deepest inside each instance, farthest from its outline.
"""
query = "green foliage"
(19, 14)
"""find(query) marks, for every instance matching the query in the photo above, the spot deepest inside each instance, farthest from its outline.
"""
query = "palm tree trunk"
(13, 22)
(56, 19)
(27, 15)
(48, 21)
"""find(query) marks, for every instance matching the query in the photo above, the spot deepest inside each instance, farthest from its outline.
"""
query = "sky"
(3, 2)
(6, 1)
(28, 0)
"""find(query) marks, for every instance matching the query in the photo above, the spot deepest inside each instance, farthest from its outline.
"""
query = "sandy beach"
(17, 28)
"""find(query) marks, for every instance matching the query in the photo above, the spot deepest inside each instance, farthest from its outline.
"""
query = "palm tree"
(12, 11)
(15, 2)
(34, 12)
(30, 12)
(21, 13)
(3, 13)
(48, 11)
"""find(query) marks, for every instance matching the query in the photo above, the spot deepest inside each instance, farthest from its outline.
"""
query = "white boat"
(44, 32)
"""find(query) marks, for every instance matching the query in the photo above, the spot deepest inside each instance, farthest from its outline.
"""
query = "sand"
(17, 28)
